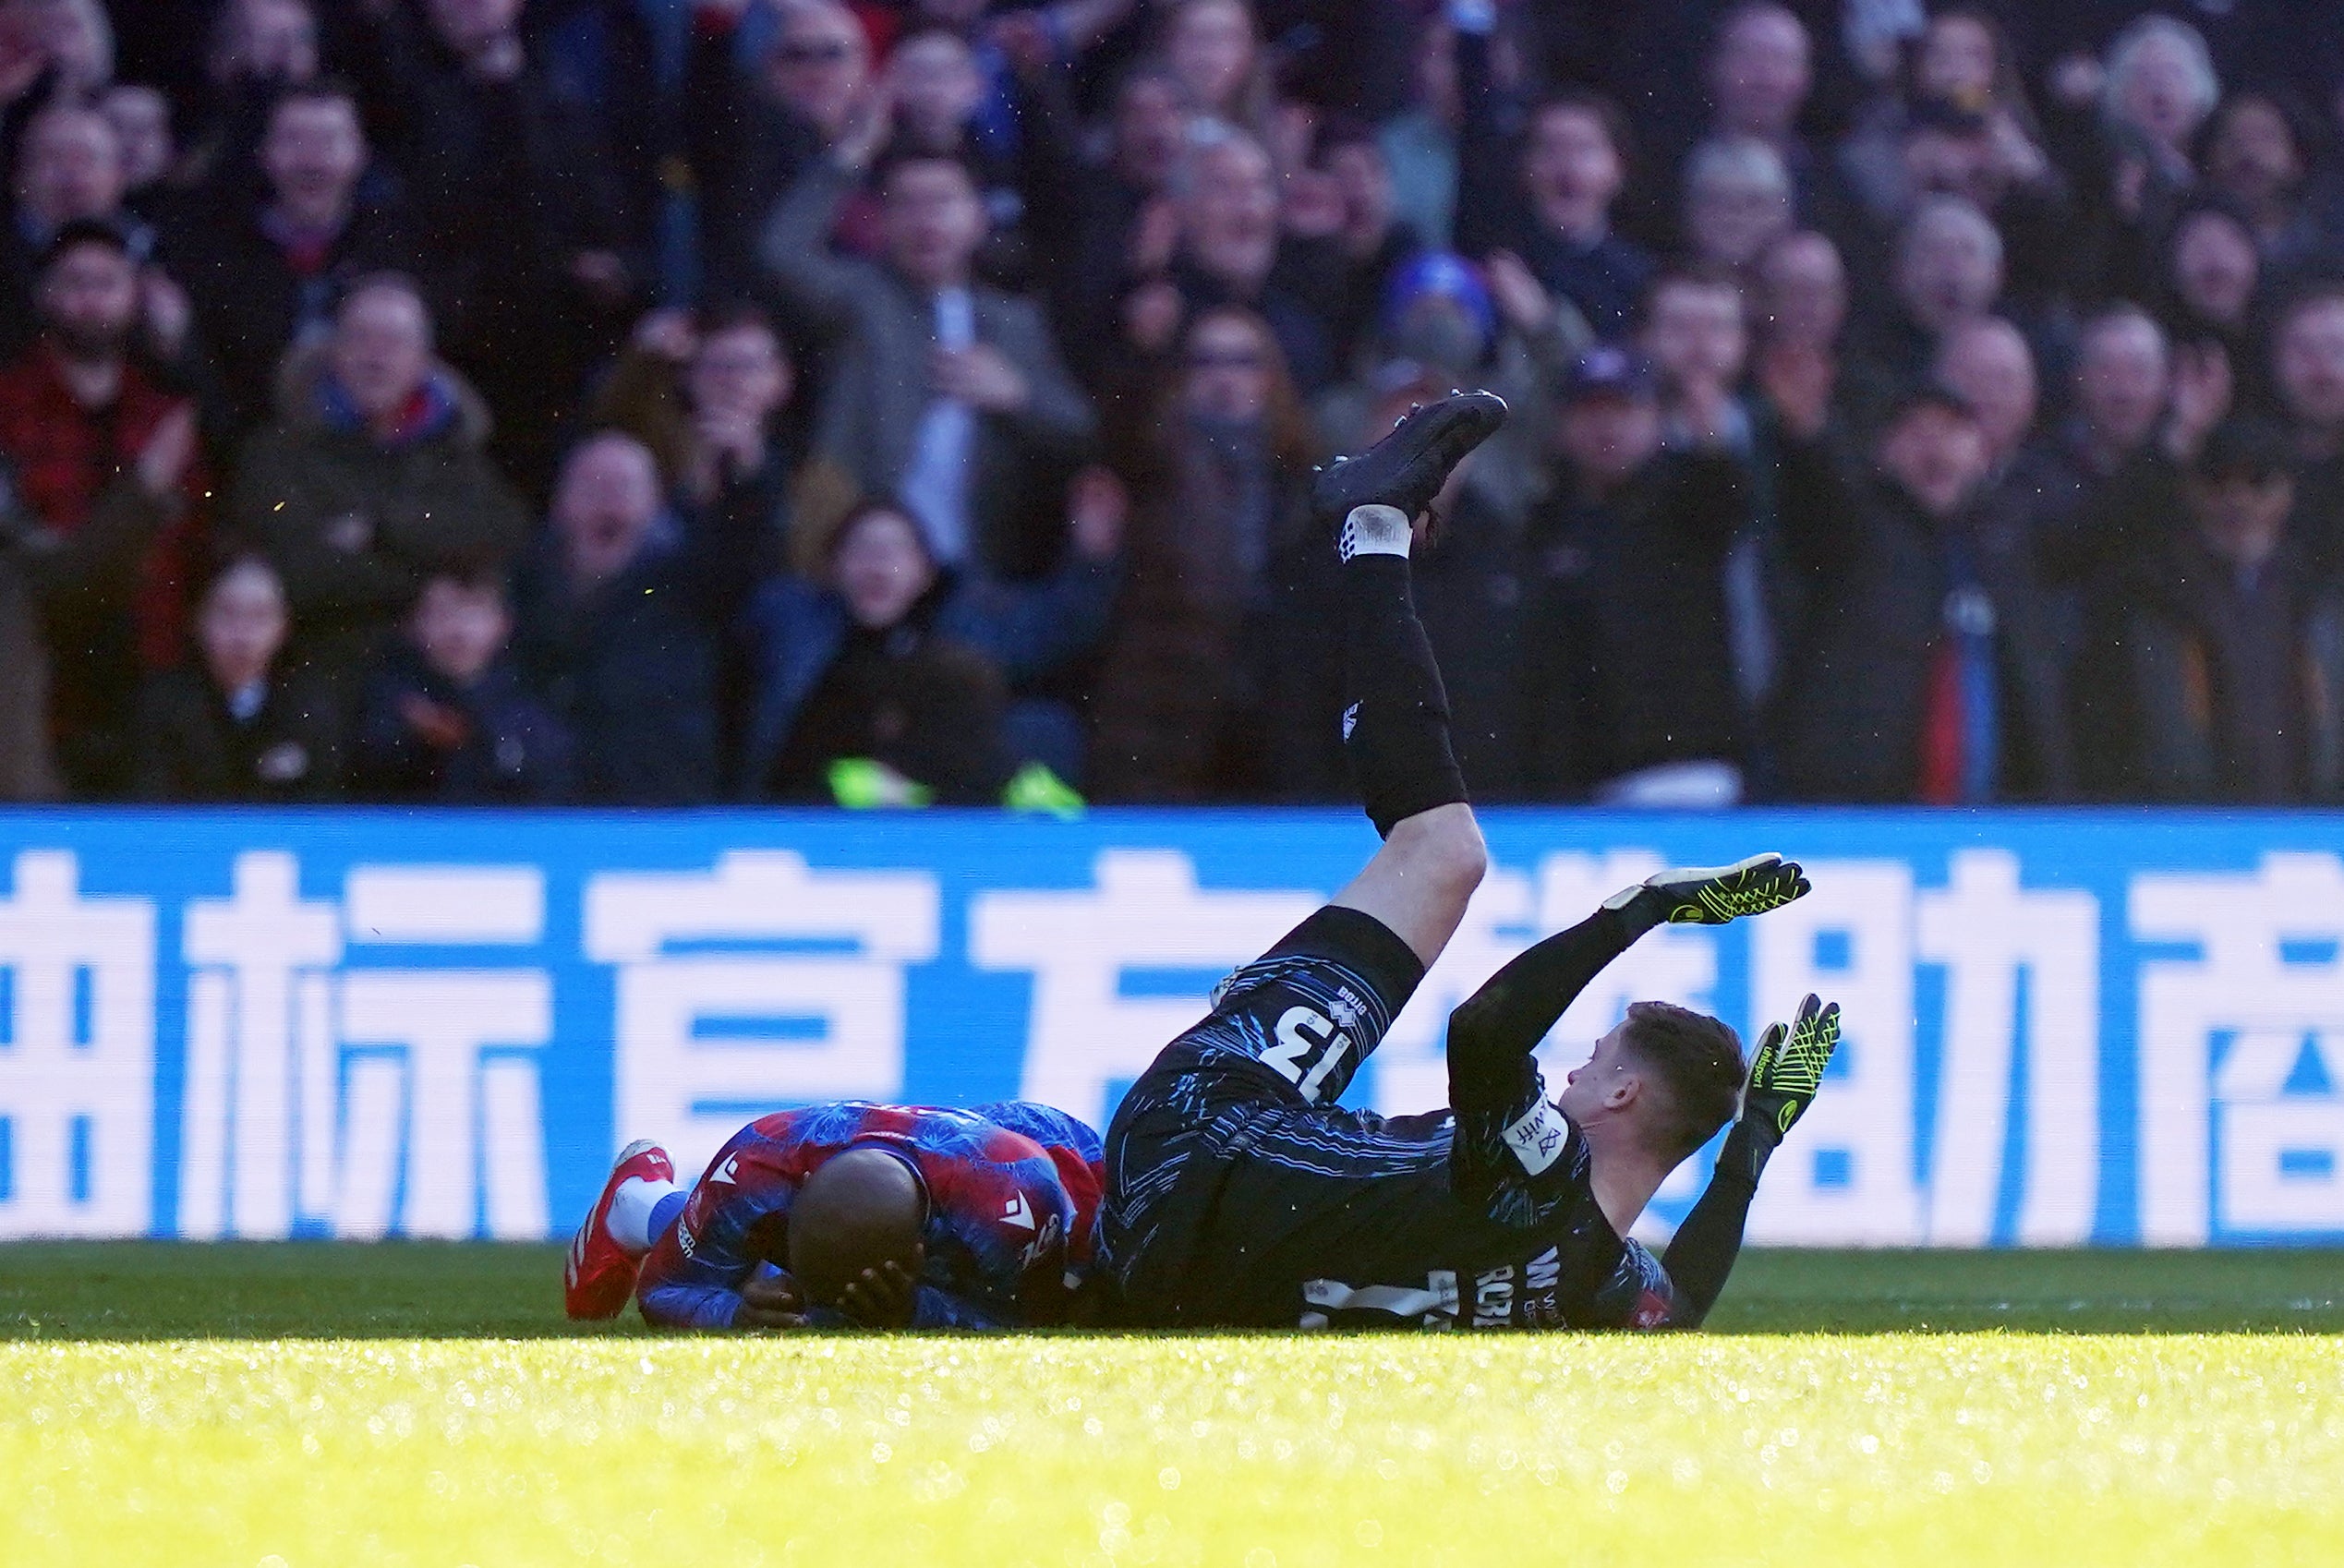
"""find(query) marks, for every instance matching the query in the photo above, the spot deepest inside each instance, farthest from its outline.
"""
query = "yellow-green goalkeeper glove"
(1786, 1075)
(1710, 895)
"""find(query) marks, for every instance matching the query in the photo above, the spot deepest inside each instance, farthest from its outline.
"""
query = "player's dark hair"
(1698, 1061)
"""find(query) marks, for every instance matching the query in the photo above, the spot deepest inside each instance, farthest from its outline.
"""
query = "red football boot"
(599, 1274)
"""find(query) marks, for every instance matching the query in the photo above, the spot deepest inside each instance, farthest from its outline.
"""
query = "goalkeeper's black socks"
(1395, 721)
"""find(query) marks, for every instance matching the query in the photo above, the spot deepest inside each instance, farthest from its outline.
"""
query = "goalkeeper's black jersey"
(1234, 1200)
(1351, 1223)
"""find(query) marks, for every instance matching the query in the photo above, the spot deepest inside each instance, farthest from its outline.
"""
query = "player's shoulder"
(1044, 1125)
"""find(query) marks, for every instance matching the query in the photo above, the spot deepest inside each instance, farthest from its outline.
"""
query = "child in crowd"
(446, 718)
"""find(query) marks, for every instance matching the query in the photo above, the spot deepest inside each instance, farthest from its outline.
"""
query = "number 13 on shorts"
(1308, 1048)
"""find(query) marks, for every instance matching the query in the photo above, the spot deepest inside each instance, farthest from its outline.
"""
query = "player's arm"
(1492, 1033)
(1511, 1138)
(722, 1281)
(1784, 1076)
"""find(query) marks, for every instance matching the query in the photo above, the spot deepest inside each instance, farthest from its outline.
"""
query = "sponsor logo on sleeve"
(1537, 1139)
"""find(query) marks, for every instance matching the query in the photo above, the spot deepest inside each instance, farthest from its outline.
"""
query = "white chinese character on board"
(259, 1104)
(1144, 913)
(1846, 1178)
(1989, 933)
(761, 985)
(77, 1054)
(2242, 1048)
(376, 1097)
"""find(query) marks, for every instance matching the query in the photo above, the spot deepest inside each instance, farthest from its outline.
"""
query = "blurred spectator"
(2213, 292)
(68, 166)
(1546, 193)
(256, 50)
(372, 478)
(1121, 224)
(620, 617)
(1933, 676)
(709, 398)
(2124, 373)
(1228, 251)
(2131, 167)
(941, 94)
(1950, 150)
(235, 725)
(1737, 201)
(264, 274)
(1213, 52)
(2256, 149)
(482, 135)
(905, 665)
(1368, 243)
(2308, 362)
(1630, 666)
(948, 396)
(2216, 659)
(1206, 686)
(1421, 141)
(894, 715)
(2030, 491)
(1948, 270)
(751, 137)
(447, 719)
(110, 491)
(1800, 309)
(141, 120)
(74, 40)
(1963, 62)
(1987, 363)
(1698, 342)
(1759, 71)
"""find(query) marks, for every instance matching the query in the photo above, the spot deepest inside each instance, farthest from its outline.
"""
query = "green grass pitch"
(2050, 1409)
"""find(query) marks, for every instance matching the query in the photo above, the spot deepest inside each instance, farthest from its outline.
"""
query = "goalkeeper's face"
(1606, 1087)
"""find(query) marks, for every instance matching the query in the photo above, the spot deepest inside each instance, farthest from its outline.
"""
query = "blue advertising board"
(2107, 1028)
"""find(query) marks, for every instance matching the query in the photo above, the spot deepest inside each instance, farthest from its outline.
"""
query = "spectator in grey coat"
(945, 395)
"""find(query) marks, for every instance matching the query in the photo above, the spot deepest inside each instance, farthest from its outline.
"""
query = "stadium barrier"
(2109, 1027)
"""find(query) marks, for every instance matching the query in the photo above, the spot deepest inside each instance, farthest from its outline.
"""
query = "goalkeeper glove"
(1710, 895)
(1784, 1076)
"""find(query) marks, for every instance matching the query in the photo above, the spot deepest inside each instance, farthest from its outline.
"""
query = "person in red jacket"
(111, 487)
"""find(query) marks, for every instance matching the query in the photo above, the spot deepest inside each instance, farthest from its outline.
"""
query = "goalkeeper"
(1239, 1195)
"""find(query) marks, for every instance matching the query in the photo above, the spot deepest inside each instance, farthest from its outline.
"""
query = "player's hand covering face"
(1714, 895)
(884, 1298)
(774, 1303)
(1788, 1067)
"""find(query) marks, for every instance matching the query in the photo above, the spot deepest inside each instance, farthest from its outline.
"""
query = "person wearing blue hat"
(1436, 310)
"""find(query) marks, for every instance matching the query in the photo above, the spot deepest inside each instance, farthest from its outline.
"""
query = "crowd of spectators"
(653, 402)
